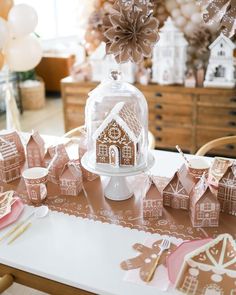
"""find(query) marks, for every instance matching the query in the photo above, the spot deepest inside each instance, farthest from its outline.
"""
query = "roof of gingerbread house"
(202, 190)
(152, 180)
(36, 137)
(123, 114)
(219, 39)
(229, 177)
(7, 149)
(183, 178)
(60, 158)
(71, 169)
(218, 256)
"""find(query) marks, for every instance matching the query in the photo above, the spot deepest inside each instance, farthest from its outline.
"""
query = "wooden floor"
(48, 120)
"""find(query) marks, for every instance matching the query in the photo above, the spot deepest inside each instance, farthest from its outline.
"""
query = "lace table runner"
(125, 213)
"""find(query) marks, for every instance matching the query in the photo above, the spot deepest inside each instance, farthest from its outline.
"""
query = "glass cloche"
(116, 118)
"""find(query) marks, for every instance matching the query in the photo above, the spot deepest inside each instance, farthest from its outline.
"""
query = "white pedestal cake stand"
(117, 188)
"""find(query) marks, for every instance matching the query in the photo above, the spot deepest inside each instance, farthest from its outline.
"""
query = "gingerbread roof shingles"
(229, 177)
(71, 170)
(123, 114)
(7, 149)
(201, 191)
(218, 255)
(152, 191)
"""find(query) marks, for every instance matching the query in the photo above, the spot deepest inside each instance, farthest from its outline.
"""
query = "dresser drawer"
(218, 99)
(215, 116)
(205, 135)
(171, 136)
(168, 98)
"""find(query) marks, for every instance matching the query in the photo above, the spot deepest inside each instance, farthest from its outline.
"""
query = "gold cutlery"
(20, 232)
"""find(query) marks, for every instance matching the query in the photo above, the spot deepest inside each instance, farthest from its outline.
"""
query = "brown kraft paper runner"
(125, 213)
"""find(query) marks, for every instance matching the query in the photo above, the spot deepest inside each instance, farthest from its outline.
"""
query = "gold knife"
(20, 232)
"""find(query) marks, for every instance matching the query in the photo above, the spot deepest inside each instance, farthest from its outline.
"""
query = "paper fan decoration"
(223, 12)
(131, 31)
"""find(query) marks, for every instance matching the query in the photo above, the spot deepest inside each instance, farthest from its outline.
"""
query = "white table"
(79, 252)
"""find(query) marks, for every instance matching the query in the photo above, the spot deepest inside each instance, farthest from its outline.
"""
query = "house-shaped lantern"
(211, 269)
(152, 200)
(227, 191)
(35, 150)
(13, 136)
(57, 164)
(169, 55)
(221, 70)
(117, 138)
(204, 206)
(176, 193)
(9, 161)
(71, 179)
(102, 64)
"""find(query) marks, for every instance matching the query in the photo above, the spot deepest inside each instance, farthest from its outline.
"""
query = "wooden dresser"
(189, 117)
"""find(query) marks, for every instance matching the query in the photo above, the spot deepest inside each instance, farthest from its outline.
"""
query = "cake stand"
(117, 188)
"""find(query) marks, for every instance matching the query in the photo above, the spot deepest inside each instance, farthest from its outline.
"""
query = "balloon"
(5, 6)
(196, 18)
(188, 9)
(22, 19)
(23, 54)
(4, 32)
(175, 13)
(1, 60)
(180, 21)
(189, 28)
(170, 5)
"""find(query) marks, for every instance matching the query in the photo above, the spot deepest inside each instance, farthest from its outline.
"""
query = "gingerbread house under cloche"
(116, 118)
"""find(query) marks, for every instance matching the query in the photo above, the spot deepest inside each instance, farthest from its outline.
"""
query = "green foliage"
(29, 75)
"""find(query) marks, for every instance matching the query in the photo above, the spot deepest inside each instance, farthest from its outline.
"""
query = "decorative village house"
(211, 269)
(13, 136)
(204, 206)
(169, 56)
(102, 64)
(57, 164)
(177, 191)
(221, 70)
(71, 179)
(35, 150)
(117, 138)
(227, 191)
(152, 200)
(9, 161)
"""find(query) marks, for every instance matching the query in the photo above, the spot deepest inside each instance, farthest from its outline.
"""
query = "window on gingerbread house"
(127, 152)
(200, 214)
(190, 285)
(102, 150)
(208, 206)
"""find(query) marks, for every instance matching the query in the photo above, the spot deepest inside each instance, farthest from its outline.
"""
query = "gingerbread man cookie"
(146, 259)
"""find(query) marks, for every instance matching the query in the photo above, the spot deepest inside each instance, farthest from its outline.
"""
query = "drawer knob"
(5, 282)
(158, 106)
(230, 146)
(158, 128)
(232, 113)
(232, 123)
(159, 117)
(158, 138)
(233, 99)
(230, 134)
(158, 94)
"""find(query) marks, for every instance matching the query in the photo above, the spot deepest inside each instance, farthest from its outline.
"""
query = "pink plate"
(175, 259)
(16, 210)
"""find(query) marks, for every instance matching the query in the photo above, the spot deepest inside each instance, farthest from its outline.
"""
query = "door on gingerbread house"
(213, 289)
(114, 156)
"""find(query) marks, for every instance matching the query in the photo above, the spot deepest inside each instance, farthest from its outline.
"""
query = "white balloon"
(180, 21)
(4, 32)
(23, 54)
(196, 18)
(189, 28)
(188, 9)
(175, 13)
(170, 5)
(22, 19)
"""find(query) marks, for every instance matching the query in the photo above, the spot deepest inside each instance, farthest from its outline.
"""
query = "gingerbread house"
(227, 191)
(71, 179)
(118, 137)
(176, 193)
(57, 164)
(204, 206)
(9, 161)
(47, 158)
(35, 150)
(211, 269)
(152, 201)
(13, 136)
(86, 174)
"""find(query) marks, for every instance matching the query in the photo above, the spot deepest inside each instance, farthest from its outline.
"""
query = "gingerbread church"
(211, 269)
(227, 191)
(118, 137)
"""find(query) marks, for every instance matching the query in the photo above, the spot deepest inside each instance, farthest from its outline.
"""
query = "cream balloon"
(22, 20)
(4, 32)
(188, 9)
(180, 21)
(170, 5)
(23, 54)
(196, 18)
(189, 28)
(175, 13)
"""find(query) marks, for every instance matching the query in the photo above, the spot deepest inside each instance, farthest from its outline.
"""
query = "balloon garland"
(20, 49)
